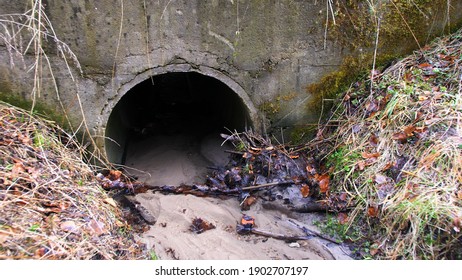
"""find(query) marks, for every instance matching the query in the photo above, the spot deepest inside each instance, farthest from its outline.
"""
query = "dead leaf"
(388, 166)
(250, 200)
(114, 175)
(69, 226)
(310, 169)
(425, 65)
(305, 189)
(41, 252)
(342, 218)
(110, 201)
(343, 196)
(400, 136)
(367, 155)
(408, 76)
(380, 179)
(384, 190)
(409, 130)
(374, 249)
(372, 211)
(324, 183)
(17, 169)
(96, 228)
(199, 225)
(361, 165)
(371, 106)
(373, 140)
(459, 195)
(3, 236)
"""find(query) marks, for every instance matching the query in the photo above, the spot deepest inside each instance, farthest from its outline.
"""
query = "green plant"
(40, 140)
(34, 227)
(342, 232)
(153, 256)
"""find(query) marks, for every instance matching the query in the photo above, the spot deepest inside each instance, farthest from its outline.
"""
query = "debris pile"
(393, 146)
(50, 205)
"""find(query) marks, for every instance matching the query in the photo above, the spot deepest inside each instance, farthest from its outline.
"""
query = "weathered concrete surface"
(267, 52)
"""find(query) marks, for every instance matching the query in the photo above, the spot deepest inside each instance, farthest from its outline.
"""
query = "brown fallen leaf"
(17, 169)
(367, 155)
(373, 140)
(110, 201)
(424, 65)
(400, 136)
(40, 252)
(372, 211)
(342, 218)
(388, 166)
(96, 228)
(114, 175)
(409, 130)
(250, 200)
(324, 183)
(199, 225)
(69, 226)
(305, 190)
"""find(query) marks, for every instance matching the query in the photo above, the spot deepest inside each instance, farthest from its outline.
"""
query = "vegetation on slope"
(51, 206)
(393, 147)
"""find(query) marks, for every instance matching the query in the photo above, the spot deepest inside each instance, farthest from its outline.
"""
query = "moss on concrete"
(355, 29)
(40, 108)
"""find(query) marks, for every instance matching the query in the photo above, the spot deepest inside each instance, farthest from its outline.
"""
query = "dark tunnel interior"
(177, 111)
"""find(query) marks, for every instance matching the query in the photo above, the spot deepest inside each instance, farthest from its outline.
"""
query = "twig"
(267, 185)
(312, 232)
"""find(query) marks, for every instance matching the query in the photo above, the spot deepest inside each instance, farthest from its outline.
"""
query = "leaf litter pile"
(51, 206)
(393, 150)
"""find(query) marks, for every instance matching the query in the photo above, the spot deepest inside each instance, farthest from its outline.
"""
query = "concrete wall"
(267, 52)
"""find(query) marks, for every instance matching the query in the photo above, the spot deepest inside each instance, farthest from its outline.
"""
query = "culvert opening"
(166, 130)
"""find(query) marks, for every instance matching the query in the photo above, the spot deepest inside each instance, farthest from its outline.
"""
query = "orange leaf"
(459, 194)
(114, 175)
(401, 136)
(250, 200)
(324, 183)
(424, 65)
(372, 211)
(388, 166)
(305, 189)
(366, 155)
(409, 130)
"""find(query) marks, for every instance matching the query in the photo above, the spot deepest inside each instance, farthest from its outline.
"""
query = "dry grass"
(396, 150)
(51, 207)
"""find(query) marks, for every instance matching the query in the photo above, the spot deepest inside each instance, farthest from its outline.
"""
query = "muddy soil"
(184, 159)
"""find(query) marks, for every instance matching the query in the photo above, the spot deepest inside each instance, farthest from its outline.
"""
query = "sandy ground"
(173, 160)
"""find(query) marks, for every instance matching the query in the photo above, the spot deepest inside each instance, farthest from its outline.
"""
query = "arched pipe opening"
(166, 129)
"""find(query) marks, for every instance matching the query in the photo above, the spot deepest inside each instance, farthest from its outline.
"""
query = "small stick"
(279, 236)
(267, 185)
